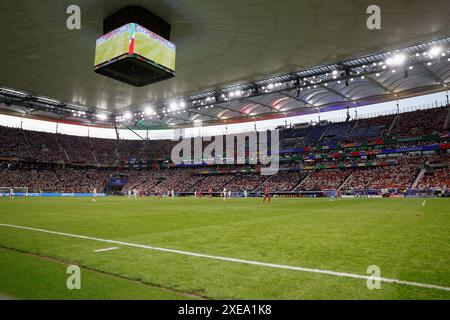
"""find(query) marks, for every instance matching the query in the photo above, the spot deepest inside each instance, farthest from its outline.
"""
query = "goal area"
(5, 191)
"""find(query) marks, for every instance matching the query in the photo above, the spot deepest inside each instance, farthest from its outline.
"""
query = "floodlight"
(396, 60)
(102, 117)
(434, 52)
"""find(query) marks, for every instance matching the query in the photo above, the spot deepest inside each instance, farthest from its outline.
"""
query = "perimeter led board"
(135, 55)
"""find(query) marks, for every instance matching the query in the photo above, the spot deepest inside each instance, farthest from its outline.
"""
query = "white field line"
(106, 249)
(249, 262)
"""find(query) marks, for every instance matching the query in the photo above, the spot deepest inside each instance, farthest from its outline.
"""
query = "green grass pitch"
(406, 240)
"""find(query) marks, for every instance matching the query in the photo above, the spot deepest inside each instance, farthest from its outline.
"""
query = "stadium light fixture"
(173, 106)
(396, 60)
(127, 116)
(434, 52)
(102, 117)
(149, 112)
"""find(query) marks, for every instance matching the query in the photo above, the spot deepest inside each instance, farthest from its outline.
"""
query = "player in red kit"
(210, 191)
(266, 194)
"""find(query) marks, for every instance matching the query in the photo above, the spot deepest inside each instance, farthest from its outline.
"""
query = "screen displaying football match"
(112, 45)
(135, 39)
(155, 48)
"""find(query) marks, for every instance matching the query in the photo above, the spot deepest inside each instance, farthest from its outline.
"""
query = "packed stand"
(324, 180)
(284, 181)
(438, 178)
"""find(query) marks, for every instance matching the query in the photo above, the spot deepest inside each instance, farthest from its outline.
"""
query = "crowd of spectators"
(284, 181)
(48, 147)
(437, 178)
(246, 182)
(395, 177)
(56, 149)
(69, 180)
(419, 123)
(78, 149)
(34, 180)
(179, 180)
(145, 181)
(106, 150)
(324, 180)
(214, 182)
(363, 178)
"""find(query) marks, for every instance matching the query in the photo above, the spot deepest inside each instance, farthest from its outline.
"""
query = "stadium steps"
(345, 182)
(62, 149)
(228, 182)
(143, 148)
(447, 119)
(90, 180)
(349, 130)
(93, 182)
(254, 190)
(116, 150)
(27, 143)
(303, 180)
(324, 133)
(394, 122)
(419, 176)
(196, 184)
(94, 153)
(57, 175)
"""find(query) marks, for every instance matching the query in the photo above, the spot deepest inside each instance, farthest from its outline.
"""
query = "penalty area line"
(106, 249)
(248, 262)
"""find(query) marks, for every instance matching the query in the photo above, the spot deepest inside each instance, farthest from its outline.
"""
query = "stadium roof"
(236, 60)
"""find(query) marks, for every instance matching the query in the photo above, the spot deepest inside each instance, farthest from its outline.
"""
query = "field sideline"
(408, 241)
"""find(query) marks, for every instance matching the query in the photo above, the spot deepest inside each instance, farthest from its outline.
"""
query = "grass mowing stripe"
(45, 278)
(249, 262)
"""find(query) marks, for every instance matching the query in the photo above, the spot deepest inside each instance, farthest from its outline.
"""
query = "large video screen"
(134, 39)
(152, 47)
(112, 45)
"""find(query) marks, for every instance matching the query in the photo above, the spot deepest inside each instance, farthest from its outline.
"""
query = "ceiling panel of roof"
(219, 43)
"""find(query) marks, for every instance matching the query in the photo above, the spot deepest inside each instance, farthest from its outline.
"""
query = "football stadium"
(224, 150)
